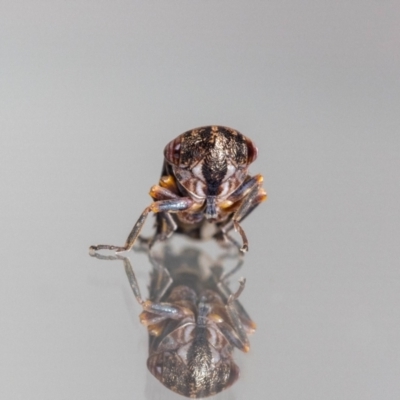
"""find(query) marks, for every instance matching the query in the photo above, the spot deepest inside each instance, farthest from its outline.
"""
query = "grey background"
(91, 92)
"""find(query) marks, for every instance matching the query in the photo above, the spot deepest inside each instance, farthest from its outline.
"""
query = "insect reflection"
(193, 319)
(204, 180)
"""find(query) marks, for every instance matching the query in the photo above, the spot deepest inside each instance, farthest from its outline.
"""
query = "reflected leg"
(235, 318)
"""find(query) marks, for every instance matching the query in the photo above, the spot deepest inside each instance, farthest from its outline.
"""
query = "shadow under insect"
(193, 319)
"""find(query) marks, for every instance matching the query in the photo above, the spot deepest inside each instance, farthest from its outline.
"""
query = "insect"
(204, 180)
(194, 322)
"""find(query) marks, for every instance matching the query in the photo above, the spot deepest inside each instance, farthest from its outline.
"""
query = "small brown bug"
(194, 322)
(204, 179)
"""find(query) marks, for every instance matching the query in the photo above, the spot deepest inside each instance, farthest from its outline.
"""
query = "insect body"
(194, 323)
(204, 179)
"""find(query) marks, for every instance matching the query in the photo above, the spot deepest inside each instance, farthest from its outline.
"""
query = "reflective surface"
(194, 319)
(90, 95)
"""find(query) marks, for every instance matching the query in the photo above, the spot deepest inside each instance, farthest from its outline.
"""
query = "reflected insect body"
(204, 180)
(194, 323)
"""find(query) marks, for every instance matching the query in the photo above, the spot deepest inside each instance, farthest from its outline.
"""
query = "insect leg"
(235, 318)
(165, 224)
(233, 337)
(167, 310)
(243, 189)
(160, 281)
(129, 273)
(170, 205)
(224, 278)
(132, 280)
(155, 313)
(248, 324)
(225, 291)
(261, 196)
(162, 193)
(255, 196)
(234, 330)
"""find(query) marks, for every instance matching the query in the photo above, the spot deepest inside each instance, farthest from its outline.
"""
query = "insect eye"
(252, 151)
(172, 151)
